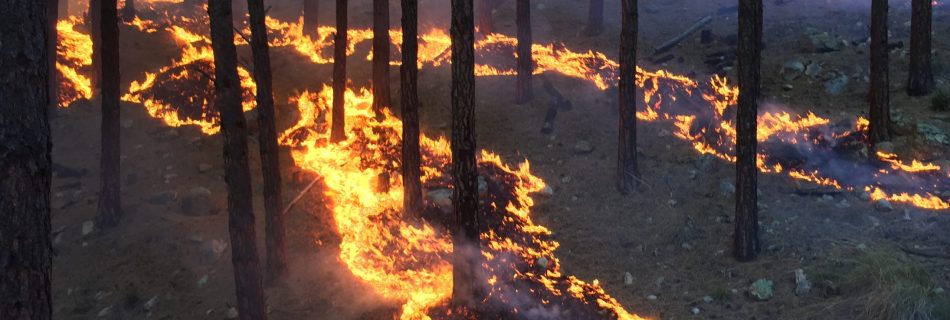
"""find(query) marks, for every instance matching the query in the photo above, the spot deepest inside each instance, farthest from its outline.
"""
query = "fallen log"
(557, 102)
(682, 36)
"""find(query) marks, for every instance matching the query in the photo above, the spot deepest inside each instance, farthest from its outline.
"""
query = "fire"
(73, 53)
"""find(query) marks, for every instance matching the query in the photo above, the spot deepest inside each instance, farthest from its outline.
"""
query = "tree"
(879, 93)
(409, 72)
(485, 8)
(338, 114)
(749, 55)
(311, 10)
(95, 26)
(110, 204)
(267, 135)
(525, 62)
(464, 174)
(381, 92)
(921, 78)
(52, 13)
(128, 11)
(25, 248)
(227, 86)
(595, 17)
(239, 12)
(627, 171)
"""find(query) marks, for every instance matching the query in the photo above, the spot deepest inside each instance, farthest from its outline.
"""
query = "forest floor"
(673, 236)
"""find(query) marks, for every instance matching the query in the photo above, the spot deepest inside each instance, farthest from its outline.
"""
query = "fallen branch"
(557, 102)
(673, 42)
(924, 253)
(300, 195)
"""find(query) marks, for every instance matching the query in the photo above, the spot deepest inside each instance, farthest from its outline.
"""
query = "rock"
(105, 311)
(813, 70)
(126, 123)
(792, 70)
(802, 285)
(651, 297)
(162, 198)
(87, 227)
(627, 279)
(199, 202)
(828, 198)
(836, 85)
(547, 191)
(727, 188)
(883, 205)
(761, 290)
(938, 290)
(543, 263)
(204, 167)
(203, 280)
(441, 198)
(694, 311)
(708, 299)
(151, 303)
(864, 195)
(885, 146)
(171, 133)
(482, 186)
(705, 162)
(232, 313)
(787, 87)
(932, 133)
(822, 42)
(906, 216)
(583, 147)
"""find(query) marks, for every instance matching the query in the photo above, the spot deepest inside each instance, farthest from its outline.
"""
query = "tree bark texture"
(110, 201)
(338, 113)
(879, 91)
(921, 78)
(409, 72)
(595, 17)
(627, 169)
(746, 237)
(311, 15)
(524, 92)
(381, 93)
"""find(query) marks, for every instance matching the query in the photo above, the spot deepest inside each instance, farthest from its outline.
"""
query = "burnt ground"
(673, 237)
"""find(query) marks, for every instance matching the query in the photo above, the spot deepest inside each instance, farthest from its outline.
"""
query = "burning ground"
(402, 259)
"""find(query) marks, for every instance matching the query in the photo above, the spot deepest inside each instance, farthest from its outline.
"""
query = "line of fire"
(474, 159)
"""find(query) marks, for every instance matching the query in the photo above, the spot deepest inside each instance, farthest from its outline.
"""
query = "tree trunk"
(95, 31)
(247, 272)
(627, 171)
(921, 79)
(879, 92)
(595, 17)
(25, 248)
(409, 72)
(239, 12)
(52, 13)
(110, 203)
(311, 10)
(338, 117)
(749, 62)
(524, 93)
(466, 253)
(485, 24)
(381, 92)
(128, 11)
(270, 152)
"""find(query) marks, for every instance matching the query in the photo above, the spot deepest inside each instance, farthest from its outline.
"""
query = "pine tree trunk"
(52, 11)
(311, 14)
(921, 78)
(110, 204)
(238, 12)
(879, 91)
(267, 136)
(627, 171)
(95, 27)
(25, 248)
(595, 17)
(524, 92)
(247, 271)
(485, 24)
(338, 117)
(381, 92)
(409, 72)
(749, 55)
(465, 291)
(128, 11)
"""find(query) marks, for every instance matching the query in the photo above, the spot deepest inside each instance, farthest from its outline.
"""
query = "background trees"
(879, 90)
(749, 54)
(920, 80)
(110, 205)
(627, 171)
(409, 73)
(338, 124)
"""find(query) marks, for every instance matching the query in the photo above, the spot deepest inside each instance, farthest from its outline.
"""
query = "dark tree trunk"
(627, 171)
(749, 55)
(338, 117)
(485, 24)
(52, 13)
(110, 204)
(381, 92)
(25, 248)
(128, 11)
(595, 17)
(921, 80)
(311, 14)
(95, 27)
(247, 270)
(524, 93)
(409, 72)
(879, 91)
(270, 153)
(238, 12)
(465, 177)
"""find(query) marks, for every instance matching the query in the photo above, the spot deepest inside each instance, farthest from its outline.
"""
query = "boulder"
(199, 201)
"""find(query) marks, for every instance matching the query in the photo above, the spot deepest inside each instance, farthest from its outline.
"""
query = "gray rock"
(821, 41)
(813, 70)
(885, 146)
(199, 201)
(105, 311)
(151, 303)
(695, 311)
(788, 87)
(232, 313)
(708, 299)
(802, 285)
(441, 198)
(727, 188)
(543, 262)
(836, 85)
(162, 198)
(883, 205)
(171, 133)
(87, 227)
(204, 167)
(583, 147)
(547, 191)
(932, 133)
(706, 162)
(651, 297)
(762, 290)
(792, 70)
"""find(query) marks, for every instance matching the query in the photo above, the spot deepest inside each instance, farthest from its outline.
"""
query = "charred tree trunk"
(95, 33)
(52, 13)
(749, 55)
(485, 24)
(311, 14)
(338, 117)
(627, 171)
(465, 291)
(267, 136)
(524, 93)
(879, 91)
(921, 78)
(128, 11)
(110, 204)
(25, 248)
(409, 72)
(595, 17)
(381, 93)
(247, 271)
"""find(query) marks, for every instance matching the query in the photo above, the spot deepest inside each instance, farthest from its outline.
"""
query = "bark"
(311, 10)
(409, 72)
(110, 204)
(627, 171)
(879, 92)
(95, 27)
(52, 11)
(749, 54)
(381, 92)
(25, 248)
(595, 17)
(921, 78)
(465, 291)
(267, 136)
(485, 24)
(247, 273)
(524, 92)
(338, 114)
(128, 11)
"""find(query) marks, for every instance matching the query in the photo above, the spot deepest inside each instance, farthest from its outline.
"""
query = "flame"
(73, 53)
